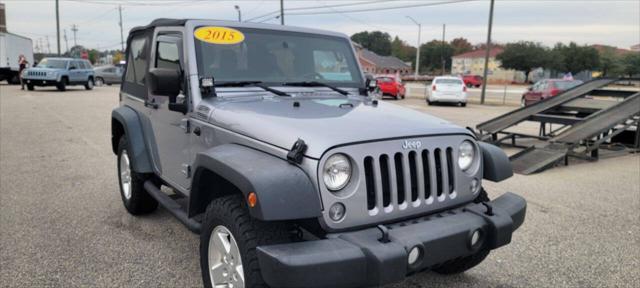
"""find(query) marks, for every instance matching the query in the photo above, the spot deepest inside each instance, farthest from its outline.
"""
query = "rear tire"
(134, 197)
(463, 264)
(228, 218)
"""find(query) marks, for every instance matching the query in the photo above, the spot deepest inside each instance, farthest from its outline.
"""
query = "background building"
(472, 63)
(376, 64)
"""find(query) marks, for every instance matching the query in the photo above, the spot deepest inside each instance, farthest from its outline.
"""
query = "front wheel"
(134, 197)
(228, 243)
(30, 87)
(62, 85)
(89, 84)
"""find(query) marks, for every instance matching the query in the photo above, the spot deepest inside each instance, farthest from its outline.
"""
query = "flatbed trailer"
(575, 123)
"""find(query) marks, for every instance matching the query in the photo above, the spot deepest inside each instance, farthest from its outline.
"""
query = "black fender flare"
(132, 126)
(284, 191)
(496, 164)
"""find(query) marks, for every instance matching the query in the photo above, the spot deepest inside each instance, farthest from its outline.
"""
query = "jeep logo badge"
(415, 144)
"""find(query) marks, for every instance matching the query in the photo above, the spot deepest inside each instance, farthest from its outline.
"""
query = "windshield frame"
(357, 82)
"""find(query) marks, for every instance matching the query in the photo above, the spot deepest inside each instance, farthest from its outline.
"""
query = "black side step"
(172, 206)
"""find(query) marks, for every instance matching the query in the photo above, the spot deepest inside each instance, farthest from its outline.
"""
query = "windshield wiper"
(251, 83)
(316, 83)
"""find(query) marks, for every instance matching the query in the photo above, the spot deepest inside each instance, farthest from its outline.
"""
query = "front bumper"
(41, 82)
(360, 258)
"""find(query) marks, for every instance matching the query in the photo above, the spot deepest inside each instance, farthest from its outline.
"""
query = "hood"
(322, 122)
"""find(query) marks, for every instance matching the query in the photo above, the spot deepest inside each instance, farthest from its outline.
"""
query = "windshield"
(564, 85)
(276, 57)
(52, 63)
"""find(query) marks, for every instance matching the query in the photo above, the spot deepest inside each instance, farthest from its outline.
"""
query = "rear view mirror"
(165, 82)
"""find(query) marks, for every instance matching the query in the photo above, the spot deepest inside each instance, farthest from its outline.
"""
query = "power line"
(383, 8)
(316, 7)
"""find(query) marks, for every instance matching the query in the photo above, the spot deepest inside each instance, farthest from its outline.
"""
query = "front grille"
(410, 179)
(37, 73)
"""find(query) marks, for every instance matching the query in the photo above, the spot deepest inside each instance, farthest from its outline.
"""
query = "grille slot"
(409, 179)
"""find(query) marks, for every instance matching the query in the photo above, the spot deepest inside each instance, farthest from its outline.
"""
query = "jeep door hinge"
(186, 170)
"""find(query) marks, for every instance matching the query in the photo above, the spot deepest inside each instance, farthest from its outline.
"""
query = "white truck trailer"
(11, 46)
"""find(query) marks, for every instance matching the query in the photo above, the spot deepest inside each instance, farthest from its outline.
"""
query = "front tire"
(89, 85)
(62, 85)
(30, 87)
(134, 197)
(228, 243)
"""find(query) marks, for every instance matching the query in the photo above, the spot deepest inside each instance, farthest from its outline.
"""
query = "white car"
(447, 89)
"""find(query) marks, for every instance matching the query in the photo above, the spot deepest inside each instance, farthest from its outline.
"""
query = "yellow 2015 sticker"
(219, 35)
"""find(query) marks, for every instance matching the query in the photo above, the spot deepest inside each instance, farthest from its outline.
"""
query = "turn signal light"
(252, 199)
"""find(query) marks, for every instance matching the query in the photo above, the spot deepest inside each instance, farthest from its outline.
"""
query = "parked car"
(472, 80)
(109, 74)
(283, 175)
(390, 86)
(447, 89)
(546, 88)
(60, 72)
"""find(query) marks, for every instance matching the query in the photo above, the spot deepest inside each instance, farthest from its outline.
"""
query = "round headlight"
(336, 172)
(466, 154)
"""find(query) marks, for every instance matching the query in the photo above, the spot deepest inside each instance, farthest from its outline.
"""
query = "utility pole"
(442, 52)
(74, 28)
(417, 72)
(239, 13)
(281, 12)
(121, 32)
(66, 41)
(49, 45)
(58, 25)
(486, 55)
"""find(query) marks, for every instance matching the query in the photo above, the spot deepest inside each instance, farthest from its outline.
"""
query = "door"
(75, 71)
(171, 129)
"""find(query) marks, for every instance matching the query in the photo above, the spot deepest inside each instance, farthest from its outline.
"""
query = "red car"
(390, 86)
(546, 88)
(472, 80)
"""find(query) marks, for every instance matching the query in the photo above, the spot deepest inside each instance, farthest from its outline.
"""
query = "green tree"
(94, 56)
(376, 41)
(431, 55)
(610, 61)
(631, 64)
(577, 58)
(403, 51)
(523, 56)
(461, 45)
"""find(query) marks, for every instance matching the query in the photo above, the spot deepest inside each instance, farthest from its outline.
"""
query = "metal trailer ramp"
(583, 124)
(495, 125)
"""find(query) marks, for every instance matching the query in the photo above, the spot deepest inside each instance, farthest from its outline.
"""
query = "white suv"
(448, 89)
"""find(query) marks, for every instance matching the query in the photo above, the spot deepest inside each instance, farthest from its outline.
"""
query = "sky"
(609, 22)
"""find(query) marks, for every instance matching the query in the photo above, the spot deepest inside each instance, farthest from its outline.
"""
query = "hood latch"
(296, 154)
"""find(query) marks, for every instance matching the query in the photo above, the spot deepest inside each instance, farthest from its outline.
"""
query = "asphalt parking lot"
(62, 223)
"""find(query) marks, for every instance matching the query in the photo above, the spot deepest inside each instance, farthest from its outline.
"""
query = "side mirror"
(165, 82)
(372, 84)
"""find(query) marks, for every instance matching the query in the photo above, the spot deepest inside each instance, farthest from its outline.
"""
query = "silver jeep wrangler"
(263, 135)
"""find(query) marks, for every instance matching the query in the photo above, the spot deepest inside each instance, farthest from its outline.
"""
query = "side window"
(136, 61)
(168, 55)
(87, 65)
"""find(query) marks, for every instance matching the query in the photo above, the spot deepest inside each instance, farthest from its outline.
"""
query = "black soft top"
(160, 23)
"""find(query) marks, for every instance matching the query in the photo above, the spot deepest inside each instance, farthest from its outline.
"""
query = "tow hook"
(489, 211)
(385, 234)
